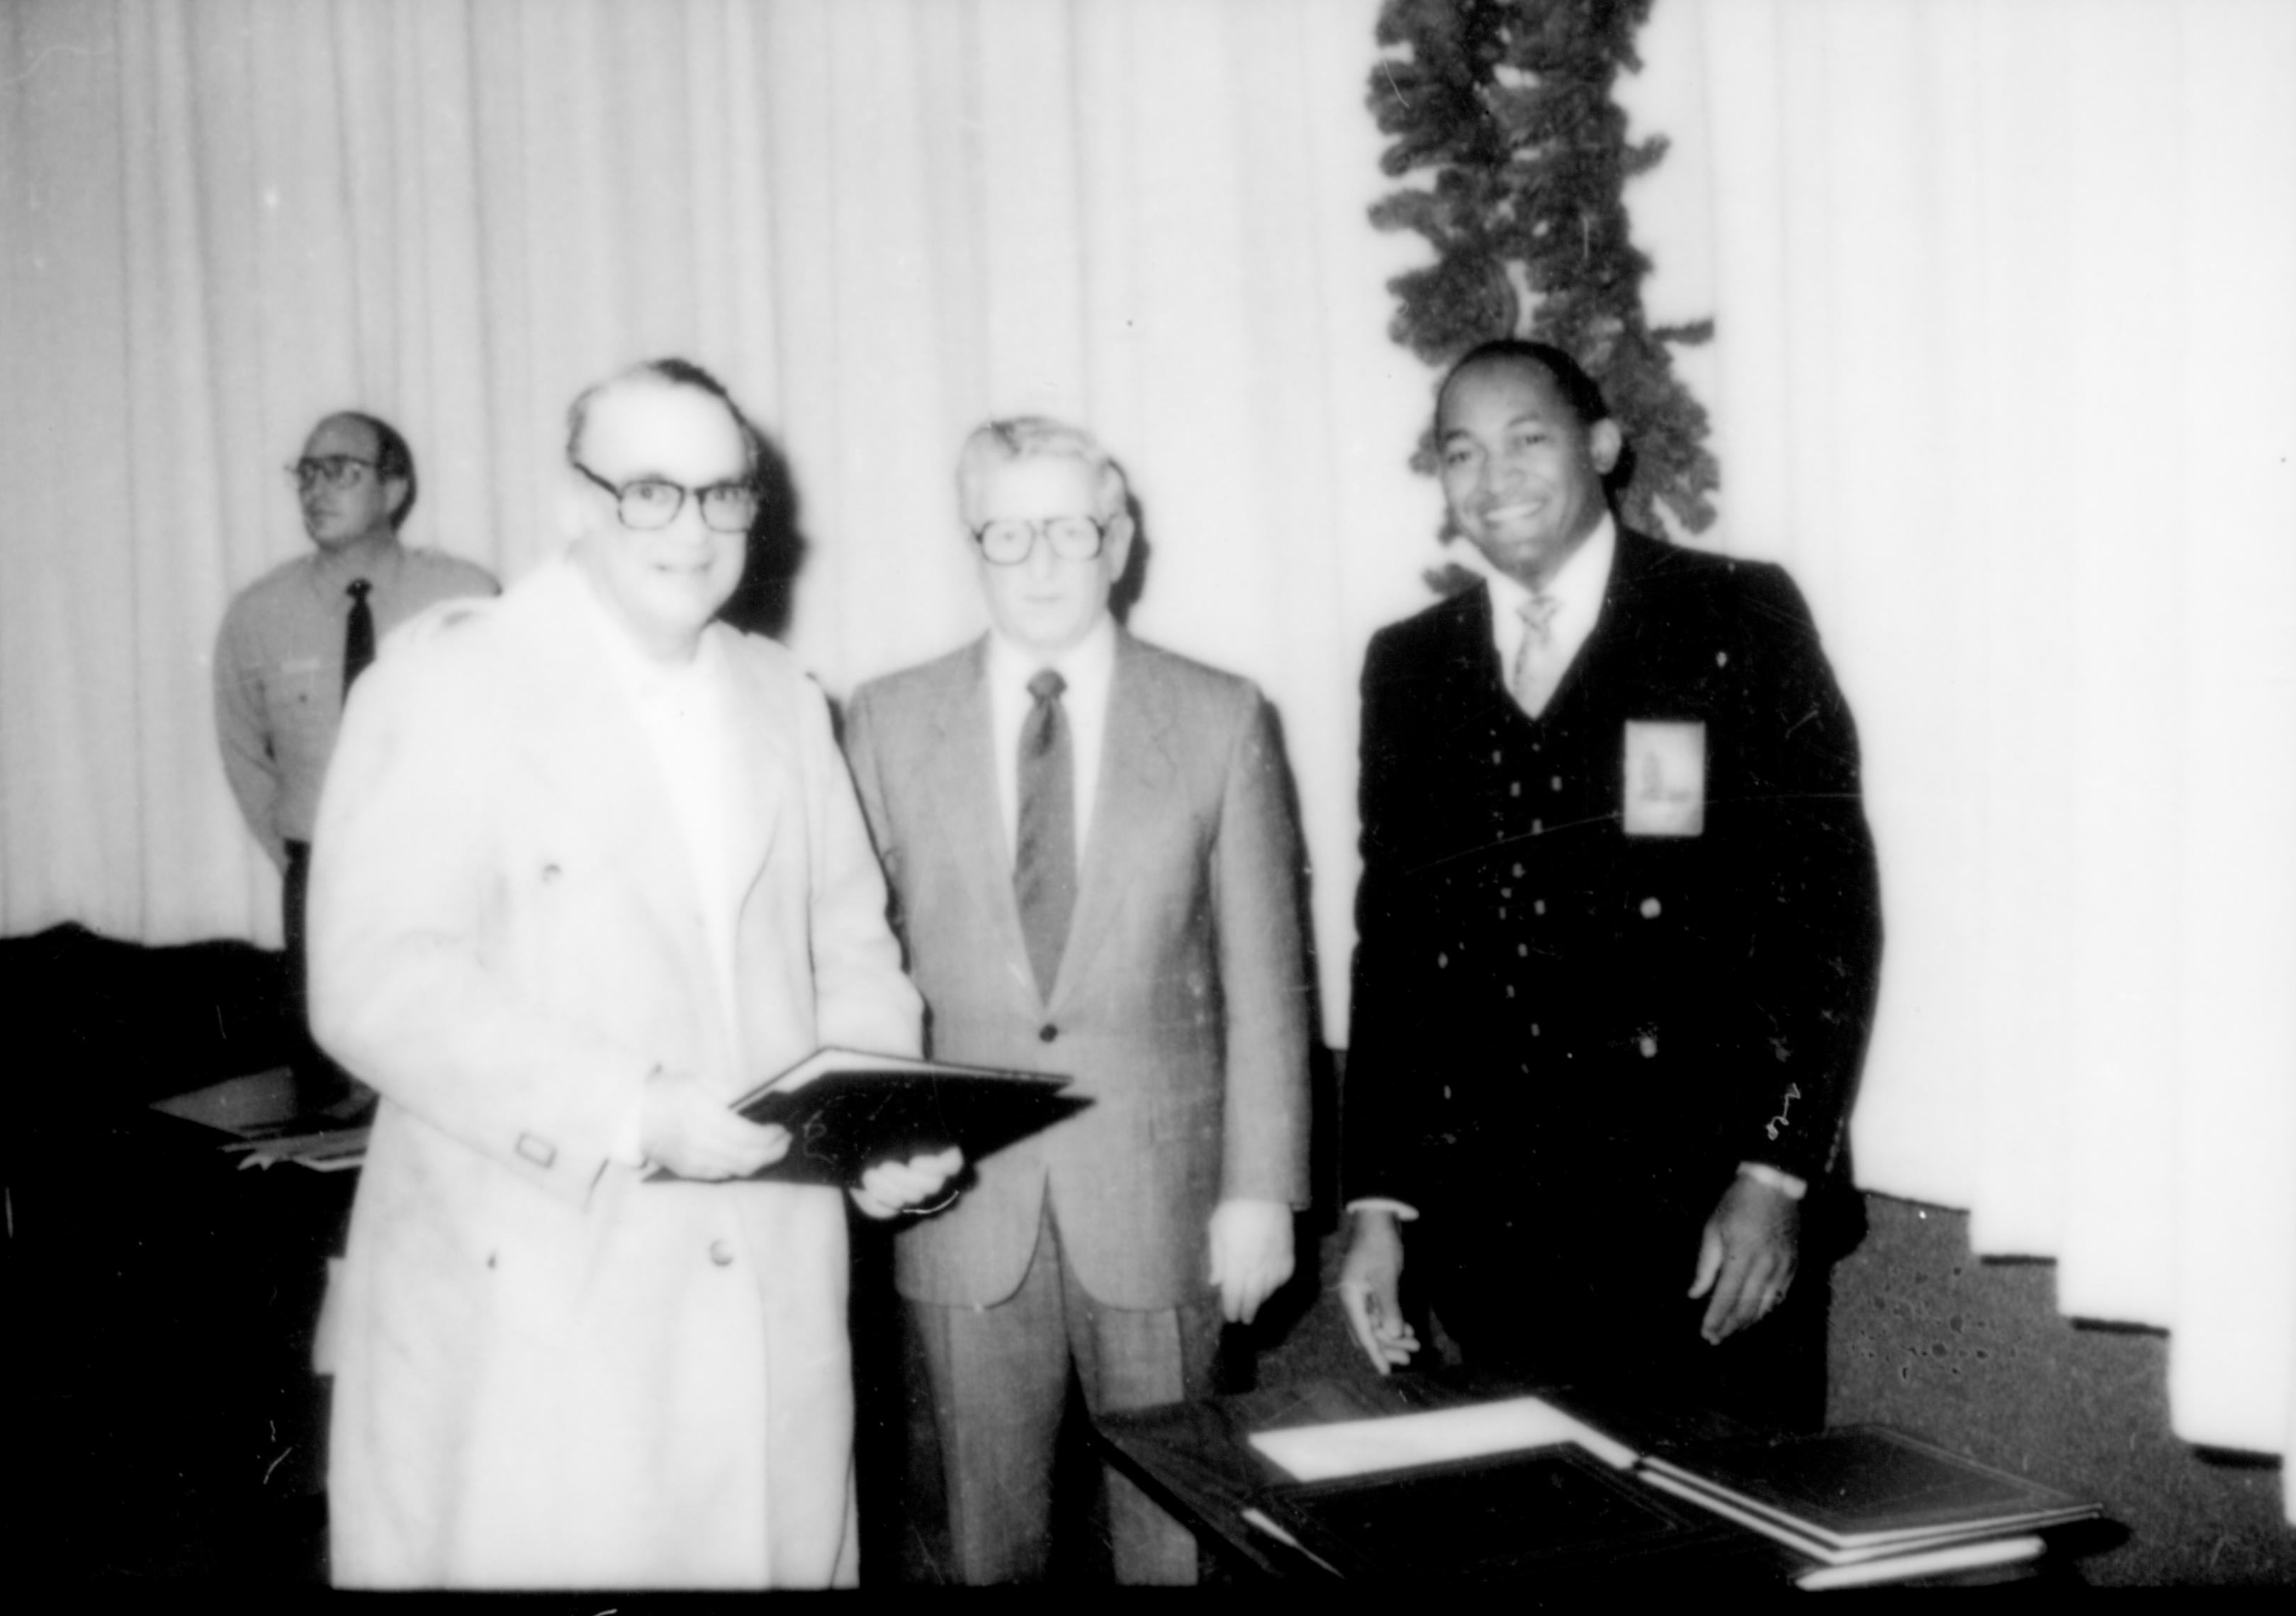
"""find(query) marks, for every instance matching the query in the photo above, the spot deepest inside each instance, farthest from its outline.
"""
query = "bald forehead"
(1502, 370)
(652, 421)
(342, 434)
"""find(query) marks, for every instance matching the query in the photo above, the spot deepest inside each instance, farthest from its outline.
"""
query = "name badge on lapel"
(1665, 785)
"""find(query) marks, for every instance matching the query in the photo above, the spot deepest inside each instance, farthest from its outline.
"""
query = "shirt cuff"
(1404, 1213)
(1777, 1178)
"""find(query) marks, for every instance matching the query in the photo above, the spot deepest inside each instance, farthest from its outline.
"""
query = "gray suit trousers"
(999, 1379)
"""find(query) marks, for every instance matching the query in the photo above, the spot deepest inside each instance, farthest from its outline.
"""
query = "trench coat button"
(540, 1151)
(1047, 1033)
(721, 1254)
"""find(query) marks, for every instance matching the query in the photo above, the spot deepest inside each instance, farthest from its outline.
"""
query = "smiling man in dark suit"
(1619, 932)
(1095, 870)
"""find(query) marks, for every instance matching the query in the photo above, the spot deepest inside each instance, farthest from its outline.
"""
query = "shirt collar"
(334, 570)
(1087, 664)
(1577, 584)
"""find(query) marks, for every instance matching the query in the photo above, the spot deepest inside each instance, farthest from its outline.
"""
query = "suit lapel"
(1136, 773)
(971, 811)
(1594, 668)
(1475, 654)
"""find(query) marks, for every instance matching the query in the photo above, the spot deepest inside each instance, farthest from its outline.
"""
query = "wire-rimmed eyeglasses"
(650, 503)
(1007, 543)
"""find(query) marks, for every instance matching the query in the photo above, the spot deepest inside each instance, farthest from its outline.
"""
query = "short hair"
(392, 457)
(1575, 387)
(668, 373)
(996, 443)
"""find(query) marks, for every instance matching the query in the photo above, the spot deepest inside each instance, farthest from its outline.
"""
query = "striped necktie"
(1044, 868)
(1538, 666)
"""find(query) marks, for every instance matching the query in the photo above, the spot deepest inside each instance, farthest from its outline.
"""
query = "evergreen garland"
(1508, 102)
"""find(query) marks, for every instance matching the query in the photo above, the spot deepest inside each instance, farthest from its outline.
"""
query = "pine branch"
(1502, 110)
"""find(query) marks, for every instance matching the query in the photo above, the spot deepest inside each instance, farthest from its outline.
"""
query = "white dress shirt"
(1577, 587)
(1089, 669)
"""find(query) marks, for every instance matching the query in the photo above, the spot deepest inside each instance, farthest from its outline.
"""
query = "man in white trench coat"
(588, 865)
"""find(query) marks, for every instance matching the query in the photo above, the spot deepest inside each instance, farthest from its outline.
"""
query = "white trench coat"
(551, 1373)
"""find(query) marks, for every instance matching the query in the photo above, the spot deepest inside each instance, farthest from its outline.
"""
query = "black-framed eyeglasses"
(1007, 543)
(650, 503)
(339, 472)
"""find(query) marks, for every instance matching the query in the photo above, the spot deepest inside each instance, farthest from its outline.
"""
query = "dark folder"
(1857, 1492)
(847, 1109)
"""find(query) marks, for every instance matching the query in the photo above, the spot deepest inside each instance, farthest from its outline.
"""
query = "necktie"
(1537, 669)
(358, 634)
(1044, 872)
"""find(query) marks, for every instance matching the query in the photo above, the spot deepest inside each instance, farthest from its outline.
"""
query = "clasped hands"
(1746, 1261)
(686, 1128)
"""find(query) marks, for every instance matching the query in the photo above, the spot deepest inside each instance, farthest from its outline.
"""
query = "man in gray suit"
(1093, 870)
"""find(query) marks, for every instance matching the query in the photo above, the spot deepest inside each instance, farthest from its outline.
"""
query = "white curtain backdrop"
(2006, 370)
(879, 221)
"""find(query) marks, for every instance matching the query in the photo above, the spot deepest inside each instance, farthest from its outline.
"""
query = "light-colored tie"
(1537, 665)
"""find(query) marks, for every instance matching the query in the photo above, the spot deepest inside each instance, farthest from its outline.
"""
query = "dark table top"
(1196, 1459)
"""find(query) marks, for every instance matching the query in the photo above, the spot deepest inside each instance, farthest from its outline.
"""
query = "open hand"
(1746, 1256)
(1371, 1289)
(1251, 1254)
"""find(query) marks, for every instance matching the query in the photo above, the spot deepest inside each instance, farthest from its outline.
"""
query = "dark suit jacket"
(1180, 1006)
(1565, 1038)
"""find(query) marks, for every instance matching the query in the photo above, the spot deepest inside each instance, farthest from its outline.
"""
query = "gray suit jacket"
(1180, 1007)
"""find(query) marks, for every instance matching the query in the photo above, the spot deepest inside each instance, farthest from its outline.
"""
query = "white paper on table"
(1355, 1447)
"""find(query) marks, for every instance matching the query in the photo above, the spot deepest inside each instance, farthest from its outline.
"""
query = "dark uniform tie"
(1044, 870)
(358, 634)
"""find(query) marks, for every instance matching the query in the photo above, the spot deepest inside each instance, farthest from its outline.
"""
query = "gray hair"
(1035, 437)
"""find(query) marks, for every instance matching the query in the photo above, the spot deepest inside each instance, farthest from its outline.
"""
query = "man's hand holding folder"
(894, 1132)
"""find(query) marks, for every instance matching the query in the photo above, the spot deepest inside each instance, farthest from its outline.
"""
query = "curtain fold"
(2005, 369)
(879, 221)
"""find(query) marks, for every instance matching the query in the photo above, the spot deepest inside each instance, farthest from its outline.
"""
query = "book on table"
(1494, 1492)
(1860, 1493)
(847, 1109)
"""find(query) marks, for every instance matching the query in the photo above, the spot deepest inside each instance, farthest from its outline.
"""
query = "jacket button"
(1047, 1033)
(721, 1254)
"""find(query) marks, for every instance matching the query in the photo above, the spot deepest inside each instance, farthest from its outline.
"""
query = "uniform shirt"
(279, 674)
(1089, 669)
